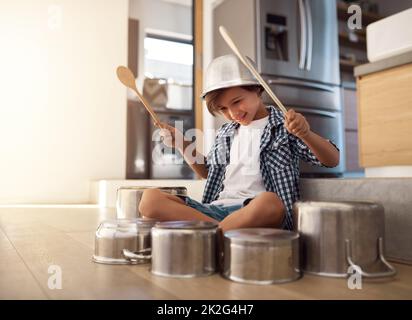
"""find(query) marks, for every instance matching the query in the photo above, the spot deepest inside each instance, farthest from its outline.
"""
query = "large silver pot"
(128, 199)
(261, 255)
(114, 236)
(184, 248)
(338, 235)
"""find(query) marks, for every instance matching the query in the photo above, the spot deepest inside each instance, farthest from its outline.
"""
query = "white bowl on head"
(390, 36)
(225, 72)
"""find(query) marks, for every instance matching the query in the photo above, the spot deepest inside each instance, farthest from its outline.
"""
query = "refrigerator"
(294, 44)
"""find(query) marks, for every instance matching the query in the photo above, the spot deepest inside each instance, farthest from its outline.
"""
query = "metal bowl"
(261, 256)
(225, 72)
(128, 199)
(113, 236)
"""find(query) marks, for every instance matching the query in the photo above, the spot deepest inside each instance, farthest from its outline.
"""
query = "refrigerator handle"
(315, 112)
(301, 84)
(303, 39)
(310, 35)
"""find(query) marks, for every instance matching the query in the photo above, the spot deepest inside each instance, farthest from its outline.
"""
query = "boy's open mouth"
(241, 118)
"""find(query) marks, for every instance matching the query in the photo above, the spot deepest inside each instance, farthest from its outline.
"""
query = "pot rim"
(267, 236)
(186, 225)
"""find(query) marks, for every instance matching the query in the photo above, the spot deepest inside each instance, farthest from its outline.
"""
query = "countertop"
(383, 64)
(34, 238)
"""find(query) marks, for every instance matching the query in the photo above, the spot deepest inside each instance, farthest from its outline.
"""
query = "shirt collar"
(275, 119)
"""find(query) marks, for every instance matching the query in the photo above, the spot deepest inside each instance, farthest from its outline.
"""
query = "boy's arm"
(197, 161)
(173, 138)
(326, 153)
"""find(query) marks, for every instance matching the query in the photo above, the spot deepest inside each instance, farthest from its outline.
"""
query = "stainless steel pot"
(184, 248)
(113, 236)
(339, 235)
(261, 255)
(128, 199)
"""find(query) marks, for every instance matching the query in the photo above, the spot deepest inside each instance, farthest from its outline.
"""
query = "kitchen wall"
(62, 110)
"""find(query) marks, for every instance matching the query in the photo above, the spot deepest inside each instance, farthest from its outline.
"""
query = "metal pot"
(184, 248)
(113, 236)
(339, 235)
(261, 255)
(128, 199)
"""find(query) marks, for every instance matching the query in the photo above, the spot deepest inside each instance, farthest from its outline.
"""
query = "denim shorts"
(217, 212)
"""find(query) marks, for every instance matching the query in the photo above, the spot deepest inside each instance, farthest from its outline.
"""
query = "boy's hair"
(212, 97)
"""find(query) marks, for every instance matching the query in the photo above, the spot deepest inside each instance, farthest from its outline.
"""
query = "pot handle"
(389, 273)
(141, 256)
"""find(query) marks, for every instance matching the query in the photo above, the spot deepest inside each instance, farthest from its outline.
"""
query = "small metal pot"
(184, 249)
(128, 199)
(114, 236)
(261, 256)
(339, 235)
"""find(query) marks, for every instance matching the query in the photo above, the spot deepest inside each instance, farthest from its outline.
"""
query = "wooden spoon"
(127, 77)
(247, 62)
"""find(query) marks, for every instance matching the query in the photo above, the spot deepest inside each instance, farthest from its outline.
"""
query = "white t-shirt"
(242, 178)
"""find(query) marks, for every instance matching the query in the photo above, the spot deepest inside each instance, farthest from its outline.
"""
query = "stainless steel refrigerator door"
(306, 94)
(322, 59)
(298, 39)
(280, 40)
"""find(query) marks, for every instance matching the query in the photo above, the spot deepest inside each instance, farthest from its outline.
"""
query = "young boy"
(252, 169)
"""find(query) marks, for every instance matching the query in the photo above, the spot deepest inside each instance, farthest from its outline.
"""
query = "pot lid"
(193, 224)
(153, 187)
(121, 228)
(261, 235)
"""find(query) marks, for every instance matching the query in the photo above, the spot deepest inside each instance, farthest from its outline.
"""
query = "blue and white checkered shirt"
(279, 162)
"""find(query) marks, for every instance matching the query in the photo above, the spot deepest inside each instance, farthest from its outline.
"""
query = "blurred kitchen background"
(66, 122)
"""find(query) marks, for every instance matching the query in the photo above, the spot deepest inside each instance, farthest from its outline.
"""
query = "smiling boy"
(252, 169)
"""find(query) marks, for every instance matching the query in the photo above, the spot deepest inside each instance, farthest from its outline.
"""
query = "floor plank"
(16, 281)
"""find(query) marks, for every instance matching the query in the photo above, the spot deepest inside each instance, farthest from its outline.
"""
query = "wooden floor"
(32, 239)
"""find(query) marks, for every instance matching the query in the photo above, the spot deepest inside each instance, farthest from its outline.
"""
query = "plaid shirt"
(279, 162)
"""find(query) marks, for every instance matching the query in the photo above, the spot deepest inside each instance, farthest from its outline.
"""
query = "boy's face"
(240, 105)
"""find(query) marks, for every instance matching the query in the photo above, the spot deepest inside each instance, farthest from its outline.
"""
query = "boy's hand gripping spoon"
(247, 62)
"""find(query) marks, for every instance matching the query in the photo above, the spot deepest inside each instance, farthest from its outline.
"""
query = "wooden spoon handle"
(148, 108)
(251, 68)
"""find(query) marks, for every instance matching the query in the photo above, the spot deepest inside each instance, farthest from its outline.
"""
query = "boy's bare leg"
(161, 206)
(266, 210)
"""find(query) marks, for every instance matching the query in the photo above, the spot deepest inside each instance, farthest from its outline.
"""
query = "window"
(168, 58)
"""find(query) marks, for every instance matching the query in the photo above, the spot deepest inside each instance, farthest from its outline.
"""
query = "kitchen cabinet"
(385, 113)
